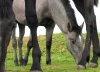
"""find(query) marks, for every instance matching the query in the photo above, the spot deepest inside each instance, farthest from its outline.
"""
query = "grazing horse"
(7, 20)
(85, 7)
(49, 13)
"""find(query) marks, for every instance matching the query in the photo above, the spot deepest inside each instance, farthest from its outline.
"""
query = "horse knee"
(29, 44)
(20, 43)
(36, 52)
(14, 44)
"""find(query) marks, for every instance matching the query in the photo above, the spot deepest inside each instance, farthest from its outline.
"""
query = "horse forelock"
(5, 6)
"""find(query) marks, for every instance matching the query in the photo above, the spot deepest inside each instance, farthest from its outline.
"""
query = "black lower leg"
(95, 42)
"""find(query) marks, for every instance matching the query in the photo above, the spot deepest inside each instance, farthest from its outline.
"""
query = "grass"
(62, 61)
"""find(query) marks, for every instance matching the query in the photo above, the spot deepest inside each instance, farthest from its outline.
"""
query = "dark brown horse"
(7, 20)
(86, 8)
(49, 13)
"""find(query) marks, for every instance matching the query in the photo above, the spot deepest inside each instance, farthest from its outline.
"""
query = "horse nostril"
(73, 42)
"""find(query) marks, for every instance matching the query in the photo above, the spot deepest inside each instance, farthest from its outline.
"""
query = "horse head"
(75, 42)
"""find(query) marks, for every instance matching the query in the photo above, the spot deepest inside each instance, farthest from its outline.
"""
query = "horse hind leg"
(29, 46)
(20, 41)
(14, 44)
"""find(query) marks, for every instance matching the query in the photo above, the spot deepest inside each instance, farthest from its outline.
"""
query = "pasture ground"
(62, 61)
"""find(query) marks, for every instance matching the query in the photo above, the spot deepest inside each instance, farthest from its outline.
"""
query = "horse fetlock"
(36, 68)
(21, 62)
(88, 58)
(25, 62)
(16, 62)
(48, 62)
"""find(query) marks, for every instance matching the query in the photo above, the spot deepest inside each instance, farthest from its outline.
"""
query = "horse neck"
(70, 13)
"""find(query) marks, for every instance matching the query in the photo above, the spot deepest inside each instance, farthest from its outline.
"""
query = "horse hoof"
(81, 67)
(93, 65)
(16, 64)
(35, 71)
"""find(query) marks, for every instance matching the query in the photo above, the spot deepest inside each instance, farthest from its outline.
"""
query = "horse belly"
(42, 10)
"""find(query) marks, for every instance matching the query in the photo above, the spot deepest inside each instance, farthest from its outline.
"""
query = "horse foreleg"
(95, 42)
(88, 14)
(86, 53)
(36, 53)
(14, 44)
(20, 41)
(31, 17)
(91, 31)
(49, 32)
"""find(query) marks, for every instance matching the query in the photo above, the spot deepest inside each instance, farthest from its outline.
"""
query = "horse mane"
(5, 6)
(71, 15)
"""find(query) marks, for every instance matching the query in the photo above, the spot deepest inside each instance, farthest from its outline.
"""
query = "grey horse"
(49, 13)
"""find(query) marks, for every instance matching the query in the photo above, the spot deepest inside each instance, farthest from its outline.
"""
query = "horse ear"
(82, 25)
(69, 26)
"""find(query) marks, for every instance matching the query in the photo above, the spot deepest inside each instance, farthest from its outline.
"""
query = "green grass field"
(62, 61)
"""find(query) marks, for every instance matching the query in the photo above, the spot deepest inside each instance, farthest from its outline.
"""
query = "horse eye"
(73, 41)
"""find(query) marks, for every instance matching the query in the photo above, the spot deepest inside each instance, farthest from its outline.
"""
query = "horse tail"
(96, 2)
